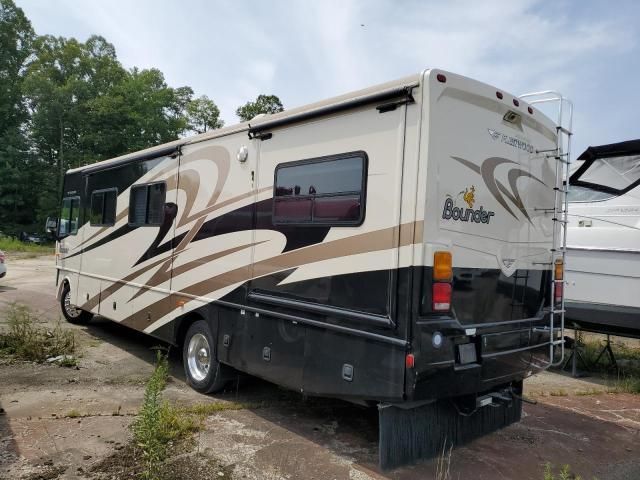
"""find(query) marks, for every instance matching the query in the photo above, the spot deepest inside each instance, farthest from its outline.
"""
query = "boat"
(602, 289)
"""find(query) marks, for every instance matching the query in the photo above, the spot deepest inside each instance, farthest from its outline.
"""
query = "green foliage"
(203, 114)
(25, 340)
(262, 104)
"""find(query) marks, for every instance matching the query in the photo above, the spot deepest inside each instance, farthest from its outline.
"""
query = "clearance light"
(441, 297)
(442, 270)
(516, 102)
(441, 78)
(558, 286)
(559, 269)
(499, 95)
(530, 110)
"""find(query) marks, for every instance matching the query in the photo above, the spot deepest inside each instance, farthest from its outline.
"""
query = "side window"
(146, 204)
(69, 216)
(103, 207)
(322, 191)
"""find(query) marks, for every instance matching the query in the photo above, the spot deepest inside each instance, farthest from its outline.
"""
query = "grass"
(26, 340)
(13, 245)
(559, 393)
(627, 379)
(73, 414)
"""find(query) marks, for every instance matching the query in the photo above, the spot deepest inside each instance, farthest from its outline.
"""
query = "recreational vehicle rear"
(395, 246)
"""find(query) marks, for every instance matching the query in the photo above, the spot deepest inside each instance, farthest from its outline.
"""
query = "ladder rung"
(561, 190)
(558, 342)
(558, 311)
(559, 221)
(564, 130)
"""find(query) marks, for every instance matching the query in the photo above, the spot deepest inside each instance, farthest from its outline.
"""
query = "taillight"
(1, 257)
(558, 286)
(441, 297)
(442, 278)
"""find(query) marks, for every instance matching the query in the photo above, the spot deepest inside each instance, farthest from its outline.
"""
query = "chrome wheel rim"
(70, 310)
(199, 357)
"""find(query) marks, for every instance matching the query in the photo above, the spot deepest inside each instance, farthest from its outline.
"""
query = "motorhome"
(396, 247)
(603, 266)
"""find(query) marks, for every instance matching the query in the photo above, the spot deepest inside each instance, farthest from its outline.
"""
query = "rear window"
(146, 204)
(322, 191)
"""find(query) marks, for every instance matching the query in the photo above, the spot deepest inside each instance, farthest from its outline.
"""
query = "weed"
(159, 423)
(626, 384)
(443, 465)
(206, 409)
(73, 414)
(13, 245)
(25, 340)
(559, 393)
(563, 474)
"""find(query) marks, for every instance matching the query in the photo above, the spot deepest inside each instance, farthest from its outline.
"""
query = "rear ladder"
(562, 155)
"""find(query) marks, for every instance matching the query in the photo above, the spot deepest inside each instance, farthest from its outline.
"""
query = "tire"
(72, 313)
(200, 361)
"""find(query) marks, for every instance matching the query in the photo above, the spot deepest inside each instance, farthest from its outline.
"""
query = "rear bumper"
(504, 354)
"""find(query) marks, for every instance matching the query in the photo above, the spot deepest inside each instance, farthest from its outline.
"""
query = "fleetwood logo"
(513, 141)
(499, 190)
(452, 212)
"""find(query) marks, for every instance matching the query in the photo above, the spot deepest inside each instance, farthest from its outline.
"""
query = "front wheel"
(203, 371)
(72, 313)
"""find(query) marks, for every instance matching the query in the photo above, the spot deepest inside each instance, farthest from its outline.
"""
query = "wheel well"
(64, 284)
(183, 325)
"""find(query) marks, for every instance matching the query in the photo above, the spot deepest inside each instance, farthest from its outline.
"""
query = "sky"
(304, 51)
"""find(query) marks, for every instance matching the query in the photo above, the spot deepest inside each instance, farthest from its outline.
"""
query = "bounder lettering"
(451, 212)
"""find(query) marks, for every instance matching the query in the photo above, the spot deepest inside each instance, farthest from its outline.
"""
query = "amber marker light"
(559, 269)
(442, 270)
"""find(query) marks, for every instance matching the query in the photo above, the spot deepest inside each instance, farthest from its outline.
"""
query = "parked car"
(3, 265)
(32, 238)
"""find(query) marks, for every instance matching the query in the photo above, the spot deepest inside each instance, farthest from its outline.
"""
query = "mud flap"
(409, 435)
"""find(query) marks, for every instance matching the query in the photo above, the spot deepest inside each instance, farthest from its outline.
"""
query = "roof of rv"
(356, 97)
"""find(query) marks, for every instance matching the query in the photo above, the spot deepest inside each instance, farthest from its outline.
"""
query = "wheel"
(72, 313)
(201, 367)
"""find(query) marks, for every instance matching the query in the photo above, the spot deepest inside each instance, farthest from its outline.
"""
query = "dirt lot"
(288, 437)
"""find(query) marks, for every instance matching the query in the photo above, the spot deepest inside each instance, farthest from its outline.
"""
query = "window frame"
(103, 191)
(146, 213)
(317, 160)
(71, 232)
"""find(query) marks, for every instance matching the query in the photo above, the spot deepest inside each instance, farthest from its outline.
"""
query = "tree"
(16, 37)
(203, 114)
(262, 104)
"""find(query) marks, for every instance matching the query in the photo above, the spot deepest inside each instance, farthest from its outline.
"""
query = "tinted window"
(69, 216)
(146, 204)
(103, 207)
(321, 191)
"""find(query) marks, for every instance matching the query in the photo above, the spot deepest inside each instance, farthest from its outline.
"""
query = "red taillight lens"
(1, 257)
(410, 360)
(441, 297)
(558, 292)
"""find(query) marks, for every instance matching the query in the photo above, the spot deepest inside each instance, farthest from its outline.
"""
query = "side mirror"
(51, 225)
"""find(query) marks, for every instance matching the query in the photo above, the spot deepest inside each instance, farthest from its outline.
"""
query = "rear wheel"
(72, 313)
(201, 367)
